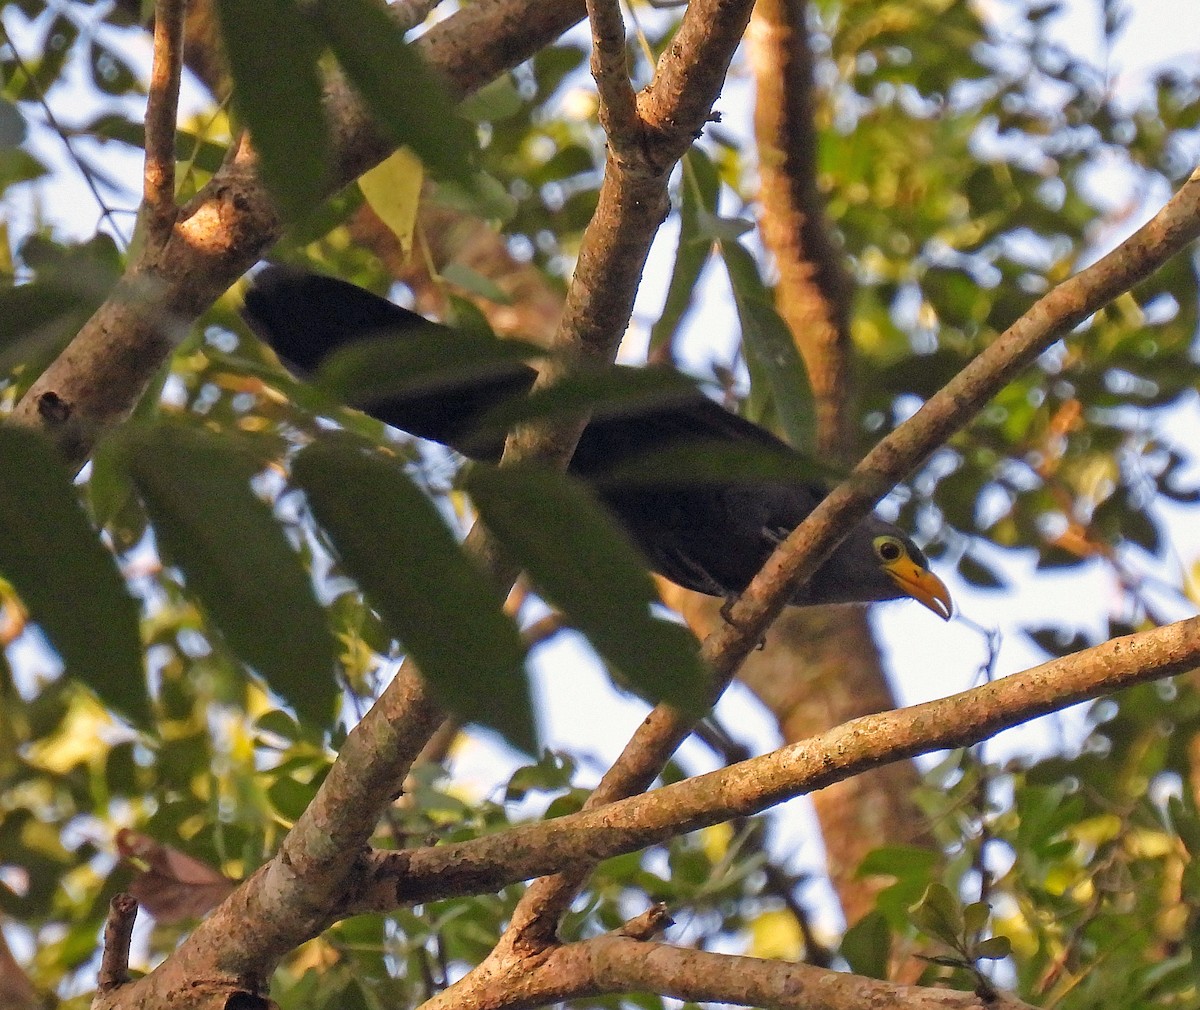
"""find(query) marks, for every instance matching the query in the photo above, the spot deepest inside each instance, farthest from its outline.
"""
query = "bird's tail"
(306, 317)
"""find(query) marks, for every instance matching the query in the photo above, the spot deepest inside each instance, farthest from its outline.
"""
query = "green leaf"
(1058, 641)
(699, 187)
(723, 229)
(498, 100)
(235, 558)
(975, 917)
(428, 356)
(290, 797)
(470, 280)
(688, 465)
(583, 563)
(898, 861)
(939, 914)
(444, 610)
(273, 51)
(64, 576)
(867, 945)
(994, 948)
(770, 347)
(612, 388)
(12, 125)
(407, 98)
(977, 572)
(483, 195)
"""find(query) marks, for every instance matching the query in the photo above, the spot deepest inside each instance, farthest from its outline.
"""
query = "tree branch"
(618, 104)
(623, 965)
(118, 930)
(620, 964)
(162, 106)
(486, 864)
(633, 202)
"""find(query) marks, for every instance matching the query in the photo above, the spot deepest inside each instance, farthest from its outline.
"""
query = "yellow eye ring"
(889, 549)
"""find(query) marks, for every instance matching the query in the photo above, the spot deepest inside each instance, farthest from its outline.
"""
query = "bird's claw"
(727, 614)
(775, 535)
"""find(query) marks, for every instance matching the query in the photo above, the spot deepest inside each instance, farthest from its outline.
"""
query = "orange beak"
(922, 585)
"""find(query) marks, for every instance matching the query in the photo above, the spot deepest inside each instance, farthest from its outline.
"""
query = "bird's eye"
(889, 549)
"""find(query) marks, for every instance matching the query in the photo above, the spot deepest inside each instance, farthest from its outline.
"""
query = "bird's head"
(879, 562)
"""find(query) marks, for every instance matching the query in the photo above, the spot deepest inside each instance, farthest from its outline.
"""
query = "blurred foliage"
(969, 165)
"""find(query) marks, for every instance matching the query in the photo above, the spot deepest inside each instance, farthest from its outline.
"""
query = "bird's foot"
(775, 534)
(727, 608)
(727, 615)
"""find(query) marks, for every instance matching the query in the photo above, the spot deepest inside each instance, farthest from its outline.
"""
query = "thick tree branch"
(162, 105)
(623, 965)
(620, 964)
(486, 864)
(684, 88)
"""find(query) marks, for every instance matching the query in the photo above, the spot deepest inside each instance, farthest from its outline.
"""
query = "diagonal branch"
(903, 450)
(483, 865)
(633, 202)
(622, 964)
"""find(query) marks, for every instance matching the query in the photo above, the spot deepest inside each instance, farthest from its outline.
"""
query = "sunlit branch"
(162, 107)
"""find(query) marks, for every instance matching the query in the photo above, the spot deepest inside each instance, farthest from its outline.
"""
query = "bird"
(710, 534)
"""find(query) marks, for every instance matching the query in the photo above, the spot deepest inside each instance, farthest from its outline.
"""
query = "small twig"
(118, 929)
(162, 107)
(649, 924)
(720, 741)
(783, 885)
(543, 628)
(610, 67)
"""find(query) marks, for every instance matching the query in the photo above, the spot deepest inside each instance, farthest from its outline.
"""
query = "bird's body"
(709, 534)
